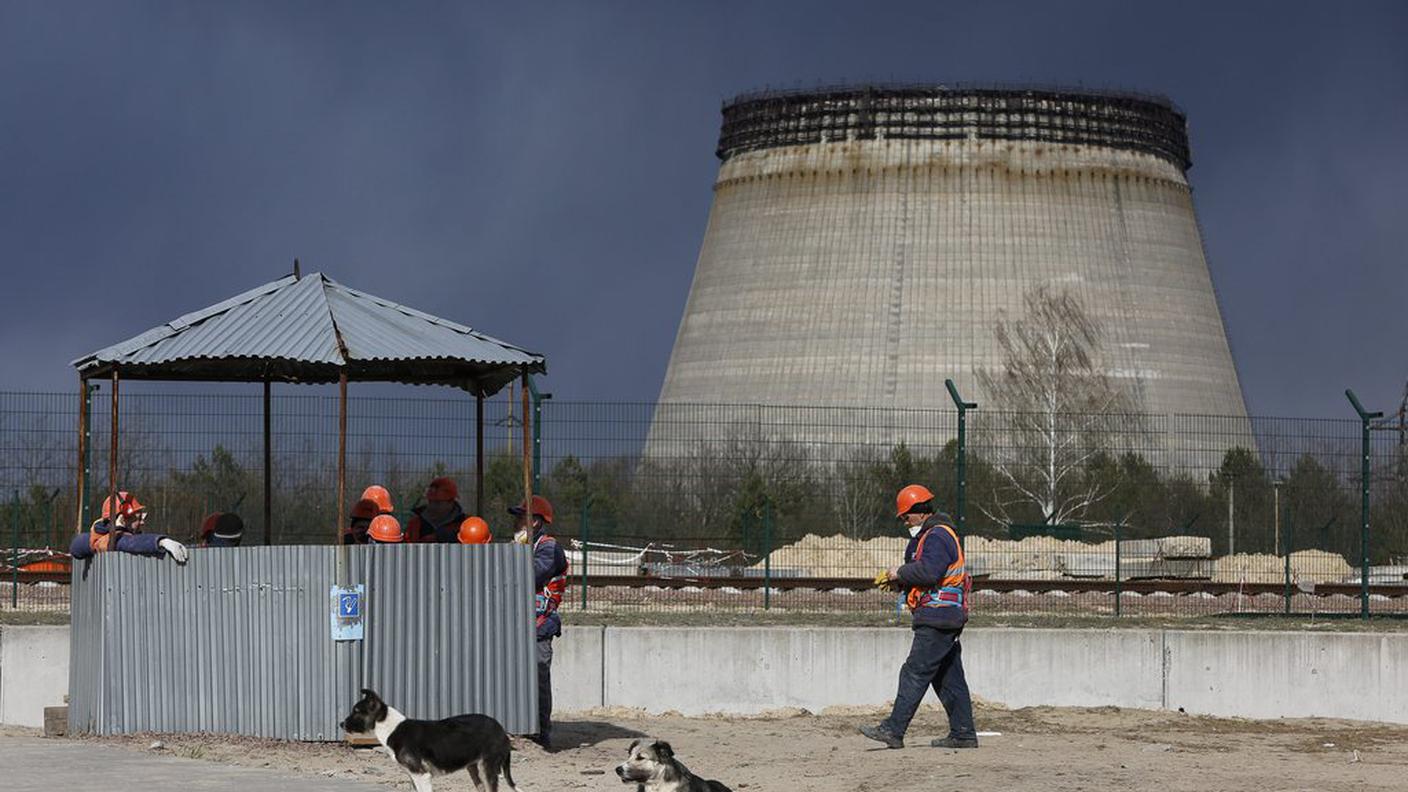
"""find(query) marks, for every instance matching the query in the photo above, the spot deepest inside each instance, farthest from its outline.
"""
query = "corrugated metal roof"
(289, 330)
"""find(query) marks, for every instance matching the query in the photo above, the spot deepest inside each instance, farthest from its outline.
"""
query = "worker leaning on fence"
(550, 578)
(439, 519)
(120, 529)
(937, 585)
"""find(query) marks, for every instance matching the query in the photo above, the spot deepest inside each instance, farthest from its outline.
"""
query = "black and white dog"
(476, 743)
(652, 767)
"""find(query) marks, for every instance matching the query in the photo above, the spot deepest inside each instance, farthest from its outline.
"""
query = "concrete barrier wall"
(1253, 674)
(33, 673)
(1361, 676)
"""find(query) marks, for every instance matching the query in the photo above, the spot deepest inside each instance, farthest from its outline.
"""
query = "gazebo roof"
(309, 329)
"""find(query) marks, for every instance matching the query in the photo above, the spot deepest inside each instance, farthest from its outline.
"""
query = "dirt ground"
(1039, 749)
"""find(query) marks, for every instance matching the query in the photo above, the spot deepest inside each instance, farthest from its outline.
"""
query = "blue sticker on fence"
(347, 613)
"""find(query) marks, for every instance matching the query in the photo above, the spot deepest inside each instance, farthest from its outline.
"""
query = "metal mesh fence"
(742, 508)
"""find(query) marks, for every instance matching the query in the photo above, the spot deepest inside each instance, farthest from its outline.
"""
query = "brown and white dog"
(652, 767)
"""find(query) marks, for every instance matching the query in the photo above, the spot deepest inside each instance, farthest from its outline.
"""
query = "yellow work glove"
(883, 579)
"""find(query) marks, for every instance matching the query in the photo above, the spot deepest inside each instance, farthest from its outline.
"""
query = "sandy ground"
(1040, 749)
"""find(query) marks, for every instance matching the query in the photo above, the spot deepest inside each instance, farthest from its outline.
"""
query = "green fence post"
(586, 535)
(1118, 598)
(961, 458)
(1287, 546)
(767, 557)
(15, 552)
(1364, 418)
(538, 399)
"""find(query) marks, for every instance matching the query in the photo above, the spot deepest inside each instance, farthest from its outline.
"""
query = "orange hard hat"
(208, 526)
(442, 488)
(377, 494)
(911, 496)
(385, 528)
(475, 531)
(127, 505)
(365, 509)
(541, 508)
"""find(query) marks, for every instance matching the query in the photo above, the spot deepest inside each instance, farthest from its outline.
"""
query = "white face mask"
(915, 529)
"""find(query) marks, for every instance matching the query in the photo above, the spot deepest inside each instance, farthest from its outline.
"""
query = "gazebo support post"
(81, 479)
(527, 456)
(268, 473)
(112, 451)
(479, 453)
(341, 455)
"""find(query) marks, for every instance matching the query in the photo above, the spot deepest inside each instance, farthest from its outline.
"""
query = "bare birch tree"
(1059, 408)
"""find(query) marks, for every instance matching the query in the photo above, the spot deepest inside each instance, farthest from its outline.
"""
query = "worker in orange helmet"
(550, 576)
(378, 495)
(359, 520)
(474, 530)
(937, 585)
(120, 529)
(439, 519)
(384, 529)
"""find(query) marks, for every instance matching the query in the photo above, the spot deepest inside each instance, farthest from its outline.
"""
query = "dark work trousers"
(935, 660)
(544, 686)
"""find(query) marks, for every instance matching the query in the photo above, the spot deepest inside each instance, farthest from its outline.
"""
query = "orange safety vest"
(100, 541)
(952, 590)
(549, 597)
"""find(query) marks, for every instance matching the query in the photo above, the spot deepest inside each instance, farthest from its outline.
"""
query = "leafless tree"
(1059, 406)
(854, 494)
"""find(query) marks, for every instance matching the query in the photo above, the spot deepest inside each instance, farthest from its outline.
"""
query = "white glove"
(521, 536)
(175, 549)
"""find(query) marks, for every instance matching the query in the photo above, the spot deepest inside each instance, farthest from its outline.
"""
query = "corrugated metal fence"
(238, 641)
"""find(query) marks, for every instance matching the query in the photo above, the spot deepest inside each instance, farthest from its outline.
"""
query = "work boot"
(883, 735)
(955, 742)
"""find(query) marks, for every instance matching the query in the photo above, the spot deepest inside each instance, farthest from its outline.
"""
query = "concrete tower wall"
(868, 264)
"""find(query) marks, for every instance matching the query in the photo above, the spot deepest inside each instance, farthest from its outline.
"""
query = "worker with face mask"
(439, 519)
(937, 585)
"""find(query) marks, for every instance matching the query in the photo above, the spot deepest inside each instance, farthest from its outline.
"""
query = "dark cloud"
(543, 171)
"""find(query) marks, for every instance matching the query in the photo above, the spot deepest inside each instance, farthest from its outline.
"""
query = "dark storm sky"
(542, 171)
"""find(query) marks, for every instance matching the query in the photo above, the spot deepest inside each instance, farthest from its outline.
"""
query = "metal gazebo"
(311, 329)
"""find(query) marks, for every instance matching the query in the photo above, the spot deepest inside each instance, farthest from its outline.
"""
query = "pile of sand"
(842, 556)
(838, 556)
(1312, 566)
(1044, 557)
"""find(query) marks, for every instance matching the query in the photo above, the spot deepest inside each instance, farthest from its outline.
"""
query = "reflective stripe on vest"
(952, 590)
(549, 597)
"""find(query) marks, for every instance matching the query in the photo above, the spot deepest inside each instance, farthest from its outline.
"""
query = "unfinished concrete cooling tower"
(863, 240)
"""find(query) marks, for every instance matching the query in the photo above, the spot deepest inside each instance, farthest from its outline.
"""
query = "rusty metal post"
(112, 458)
(341, 455)
(268, 473)
(82, 469)
(479, 454)
(527, 454)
